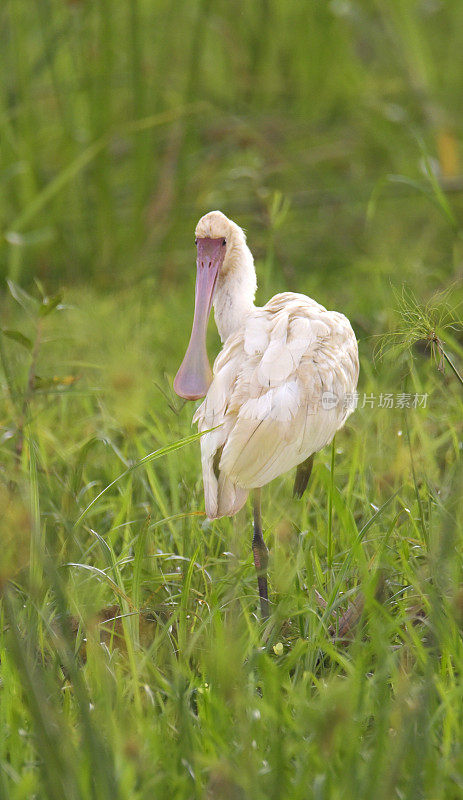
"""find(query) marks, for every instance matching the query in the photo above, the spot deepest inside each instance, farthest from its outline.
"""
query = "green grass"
(133, 663)
(120, 597)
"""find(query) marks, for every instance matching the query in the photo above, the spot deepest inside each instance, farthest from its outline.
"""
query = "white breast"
(267, 395)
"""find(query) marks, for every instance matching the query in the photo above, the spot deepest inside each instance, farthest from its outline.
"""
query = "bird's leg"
(260, 552)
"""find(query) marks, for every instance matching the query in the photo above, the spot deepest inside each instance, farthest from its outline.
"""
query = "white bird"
(282, 385)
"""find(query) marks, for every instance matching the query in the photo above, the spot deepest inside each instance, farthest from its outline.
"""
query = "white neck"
(236, 287)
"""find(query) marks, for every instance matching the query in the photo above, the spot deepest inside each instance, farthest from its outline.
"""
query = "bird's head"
(216, 240)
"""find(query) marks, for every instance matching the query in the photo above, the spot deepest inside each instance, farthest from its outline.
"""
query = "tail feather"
(222, 497)
(230, 497)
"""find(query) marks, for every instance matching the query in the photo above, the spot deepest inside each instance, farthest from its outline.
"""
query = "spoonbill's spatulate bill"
(280, 388)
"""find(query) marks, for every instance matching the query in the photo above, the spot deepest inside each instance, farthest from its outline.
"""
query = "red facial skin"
(194, 376)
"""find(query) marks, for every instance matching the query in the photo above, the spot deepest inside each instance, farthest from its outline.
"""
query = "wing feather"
(265, 400)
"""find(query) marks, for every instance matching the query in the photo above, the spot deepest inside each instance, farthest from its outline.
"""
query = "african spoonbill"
(277, 392)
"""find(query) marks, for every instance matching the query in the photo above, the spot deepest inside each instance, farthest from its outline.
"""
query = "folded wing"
(266, 400)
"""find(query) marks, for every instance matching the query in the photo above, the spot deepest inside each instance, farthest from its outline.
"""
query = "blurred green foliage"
(132, 661)
(122, 122)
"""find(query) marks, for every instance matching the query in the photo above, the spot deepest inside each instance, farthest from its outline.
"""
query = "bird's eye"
(196, 241)
(224, 242)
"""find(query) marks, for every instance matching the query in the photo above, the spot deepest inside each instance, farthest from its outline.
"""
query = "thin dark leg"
(260, 551)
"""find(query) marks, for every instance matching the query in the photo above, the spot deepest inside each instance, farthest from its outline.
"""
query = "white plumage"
(266, 396)
(269, 380)
(279, 386)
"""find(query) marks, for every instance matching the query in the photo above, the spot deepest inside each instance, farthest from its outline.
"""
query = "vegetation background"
(132, 660)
